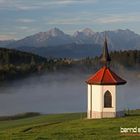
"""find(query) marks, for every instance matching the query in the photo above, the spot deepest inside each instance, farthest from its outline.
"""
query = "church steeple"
(102, 97)
(105, 57)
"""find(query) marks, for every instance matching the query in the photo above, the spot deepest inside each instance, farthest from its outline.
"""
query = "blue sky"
(20, 18)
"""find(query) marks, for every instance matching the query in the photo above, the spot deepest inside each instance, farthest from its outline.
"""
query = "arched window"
(107, 99)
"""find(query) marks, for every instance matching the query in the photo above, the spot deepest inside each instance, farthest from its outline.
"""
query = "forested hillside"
(16, 64)
(129, 60)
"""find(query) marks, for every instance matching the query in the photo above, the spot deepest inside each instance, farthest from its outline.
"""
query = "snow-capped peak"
(55, 32)
(88, 32)
(85, 32)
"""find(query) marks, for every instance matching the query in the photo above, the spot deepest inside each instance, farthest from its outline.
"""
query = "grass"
(69, 126)
(19, 116)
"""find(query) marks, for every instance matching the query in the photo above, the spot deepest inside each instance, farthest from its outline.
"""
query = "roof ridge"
(117, 75)
(105, 76)
(111, 74)
(103, 73)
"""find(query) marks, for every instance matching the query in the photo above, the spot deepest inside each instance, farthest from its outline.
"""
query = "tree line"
(16, 64)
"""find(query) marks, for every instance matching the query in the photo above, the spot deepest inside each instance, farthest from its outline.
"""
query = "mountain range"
(56, 43)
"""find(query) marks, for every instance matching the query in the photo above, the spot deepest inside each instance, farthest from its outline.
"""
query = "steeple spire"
(105, 57)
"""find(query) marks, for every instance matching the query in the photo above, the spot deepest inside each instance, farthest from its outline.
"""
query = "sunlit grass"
(68, 126)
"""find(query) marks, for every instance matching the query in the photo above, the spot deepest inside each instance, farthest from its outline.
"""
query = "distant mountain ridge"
(56, 43)
(4, 43)
(118, 39)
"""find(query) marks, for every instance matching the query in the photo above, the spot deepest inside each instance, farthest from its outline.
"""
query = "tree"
(32, 61)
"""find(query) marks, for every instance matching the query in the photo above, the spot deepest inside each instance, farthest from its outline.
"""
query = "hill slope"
(68, 126)
(12, 56)
(16, 64)
(65, 51)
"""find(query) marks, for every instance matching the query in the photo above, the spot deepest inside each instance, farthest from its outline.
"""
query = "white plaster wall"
(88, 100)
(112, 90)
(97, 98)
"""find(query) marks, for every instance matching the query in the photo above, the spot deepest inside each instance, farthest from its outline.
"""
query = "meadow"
(68, 126)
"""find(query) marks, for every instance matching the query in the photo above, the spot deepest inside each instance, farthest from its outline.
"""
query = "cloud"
(25, 20)
(7, 37)
(62, 3)
(24, 7)
(22, 28)
(35, 4)
(67, 21)
(118, 19)
(66, 14)
(2, 1)
(19, 5)
(98, 18)
(66, 2)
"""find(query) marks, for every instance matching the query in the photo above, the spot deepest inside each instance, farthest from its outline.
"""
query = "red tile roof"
(105, 77)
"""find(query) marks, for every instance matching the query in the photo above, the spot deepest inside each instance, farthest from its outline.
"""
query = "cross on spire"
(105, 57)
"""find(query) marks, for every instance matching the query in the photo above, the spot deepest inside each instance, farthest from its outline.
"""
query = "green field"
(70, 126)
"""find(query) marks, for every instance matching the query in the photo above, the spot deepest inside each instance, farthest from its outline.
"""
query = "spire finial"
(105, 58)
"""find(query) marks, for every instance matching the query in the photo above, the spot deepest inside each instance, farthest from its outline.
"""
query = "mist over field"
(49, 93)
(58, 92)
